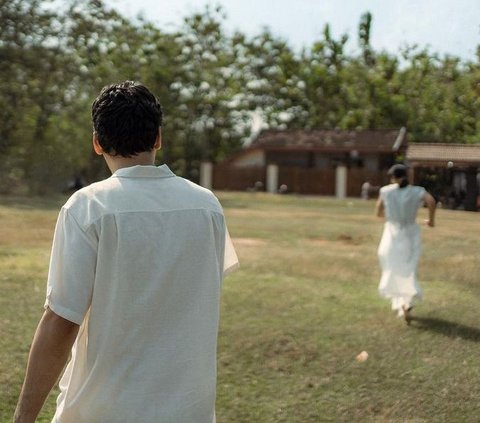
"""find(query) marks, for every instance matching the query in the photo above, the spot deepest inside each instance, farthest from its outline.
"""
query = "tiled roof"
(311, 139)
(437, 152)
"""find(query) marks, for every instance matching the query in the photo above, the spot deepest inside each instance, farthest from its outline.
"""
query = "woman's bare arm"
(431, 205)
(379, 208)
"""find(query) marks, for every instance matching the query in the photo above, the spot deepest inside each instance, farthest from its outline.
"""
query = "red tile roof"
(387, 140)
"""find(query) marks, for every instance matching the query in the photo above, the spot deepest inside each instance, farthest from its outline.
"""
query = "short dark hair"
(126, 118)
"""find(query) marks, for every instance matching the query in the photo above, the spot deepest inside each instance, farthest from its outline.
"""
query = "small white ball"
(450, 164)
(363, 356)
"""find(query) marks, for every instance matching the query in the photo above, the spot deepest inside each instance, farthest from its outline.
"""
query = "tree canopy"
(212, 84)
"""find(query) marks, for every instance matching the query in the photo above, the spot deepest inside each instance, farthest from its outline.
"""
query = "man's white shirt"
(138, 261)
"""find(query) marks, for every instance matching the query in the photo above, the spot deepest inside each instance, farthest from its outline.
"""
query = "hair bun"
(398, 171)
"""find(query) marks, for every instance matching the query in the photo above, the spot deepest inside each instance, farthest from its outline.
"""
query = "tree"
(204, 119)
(26, 94)
(212, 84)
(364, 39)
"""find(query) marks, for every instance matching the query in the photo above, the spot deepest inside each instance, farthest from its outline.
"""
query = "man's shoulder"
(88, 193)
(195, 187)
(110, 196)
(86, 203)
(196, 193)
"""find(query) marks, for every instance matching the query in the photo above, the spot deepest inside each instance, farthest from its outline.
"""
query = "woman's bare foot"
(406, 314)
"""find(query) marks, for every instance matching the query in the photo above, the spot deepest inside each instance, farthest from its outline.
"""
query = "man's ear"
(158, 140)
(96, 145)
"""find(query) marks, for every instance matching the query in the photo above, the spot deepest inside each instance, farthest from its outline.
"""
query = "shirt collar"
(139, 171)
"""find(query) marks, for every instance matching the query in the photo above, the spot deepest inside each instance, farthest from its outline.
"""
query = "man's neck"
(114, 163)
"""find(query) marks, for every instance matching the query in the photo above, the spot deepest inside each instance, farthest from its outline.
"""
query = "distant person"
(78, 182)
(366, 189)
(400, 246)
(134, 284)
(283, 189)
(258, 186)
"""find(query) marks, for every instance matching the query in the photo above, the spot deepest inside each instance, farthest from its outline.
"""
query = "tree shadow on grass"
(444, 327)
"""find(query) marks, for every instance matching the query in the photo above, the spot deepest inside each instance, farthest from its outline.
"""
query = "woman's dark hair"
(399, 171)
(126, 118)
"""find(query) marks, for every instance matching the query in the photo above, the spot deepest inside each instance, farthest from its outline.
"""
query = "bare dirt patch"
(248, 242)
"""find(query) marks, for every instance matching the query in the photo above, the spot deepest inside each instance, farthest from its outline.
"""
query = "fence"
(297, 180)
(237, 178)
(307, 181)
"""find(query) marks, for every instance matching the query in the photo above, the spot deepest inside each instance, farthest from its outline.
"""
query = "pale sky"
(446, 26)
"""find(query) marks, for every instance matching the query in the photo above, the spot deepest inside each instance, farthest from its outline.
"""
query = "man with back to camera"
(134, 284)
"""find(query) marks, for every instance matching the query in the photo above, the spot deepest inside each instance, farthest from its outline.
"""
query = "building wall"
(322, 161)
(300, 159)
(325, 160)
(305, 172)
(307, 181)
(232, 178)
(371, 162)
(254, 158)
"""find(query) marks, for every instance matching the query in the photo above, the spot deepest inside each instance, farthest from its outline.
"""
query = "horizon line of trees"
(212, 84)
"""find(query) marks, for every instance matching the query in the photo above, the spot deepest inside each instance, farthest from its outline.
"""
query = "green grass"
(296, 314)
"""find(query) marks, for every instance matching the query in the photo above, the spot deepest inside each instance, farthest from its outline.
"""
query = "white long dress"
(400, 247)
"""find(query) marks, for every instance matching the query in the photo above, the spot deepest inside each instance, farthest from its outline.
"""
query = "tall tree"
(54, 57)
(364, 38)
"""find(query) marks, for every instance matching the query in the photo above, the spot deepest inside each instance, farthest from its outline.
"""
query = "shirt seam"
(82, 228)
(144, 176)
(146, 211)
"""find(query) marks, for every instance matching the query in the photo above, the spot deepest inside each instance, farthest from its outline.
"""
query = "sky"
(445, 26)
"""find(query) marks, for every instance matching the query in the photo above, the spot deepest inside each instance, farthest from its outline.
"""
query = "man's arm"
(379, 208)
(49, 352)
(432, 205)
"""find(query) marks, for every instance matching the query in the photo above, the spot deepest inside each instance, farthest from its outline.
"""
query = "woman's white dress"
(400, 246)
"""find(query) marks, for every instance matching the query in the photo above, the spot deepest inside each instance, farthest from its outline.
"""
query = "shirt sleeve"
(230, 262)
(72, 269)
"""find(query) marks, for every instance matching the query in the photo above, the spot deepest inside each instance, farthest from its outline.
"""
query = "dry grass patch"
(294, 317)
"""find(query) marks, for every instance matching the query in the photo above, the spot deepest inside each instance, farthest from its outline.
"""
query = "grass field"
(296, 314)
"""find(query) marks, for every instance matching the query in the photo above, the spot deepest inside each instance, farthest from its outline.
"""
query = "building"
(326, 162)
(449, 171)
(339, 162)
